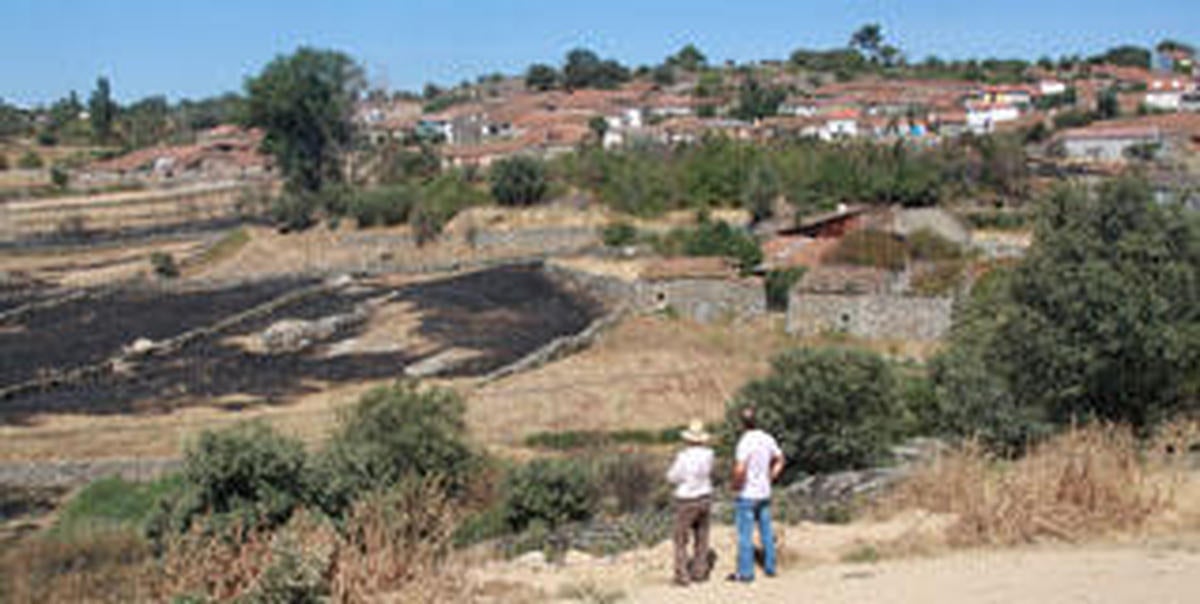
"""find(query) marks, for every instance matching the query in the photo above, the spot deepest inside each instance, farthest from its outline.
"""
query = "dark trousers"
(691, 524)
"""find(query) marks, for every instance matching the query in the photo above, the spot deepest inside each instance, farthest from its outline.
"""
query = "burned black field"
(502, 314)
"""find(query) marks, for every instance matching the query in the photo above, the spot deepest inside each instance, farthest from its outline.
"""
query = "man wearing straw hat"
(691, 473)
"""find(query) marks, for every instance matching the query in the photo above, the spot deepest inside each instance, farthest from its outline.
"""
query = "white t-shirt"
(691, 472)
(755, 449)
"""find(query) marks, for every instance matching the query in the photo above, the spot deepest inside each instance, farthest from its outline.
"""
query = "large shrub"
(385, 206)
(248, 475)
(393, 433)
(30, 161)
(779, 284)
(549, 491)
(711, 238)
(830, 409)
(1100, 320)
(518, 181)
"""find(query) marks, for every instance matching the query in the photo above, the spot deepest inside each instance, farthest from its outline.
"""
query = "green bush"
(830, 409)
(248, 475)
(441, 199)
(164, 265)
(59, 177)
(393, 433)
(779, 284)
(294, 211)
(551, 492)
(999, 220)
(618, 234)
(30, 161)
(713, 239)
(871, 248)
(632, 482)
(518, 181)
(385, 206)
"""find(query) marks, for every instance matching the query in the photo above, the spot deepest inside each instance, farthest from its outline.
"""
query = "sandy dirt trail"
(815, 569)
(1115, 574)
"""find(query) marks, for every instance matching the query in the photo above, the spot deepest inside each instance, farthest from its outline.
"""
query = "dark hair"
(747, 416)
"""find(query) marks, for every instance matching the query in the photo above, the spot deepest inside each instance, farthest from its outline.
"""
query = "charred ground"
(501, 314)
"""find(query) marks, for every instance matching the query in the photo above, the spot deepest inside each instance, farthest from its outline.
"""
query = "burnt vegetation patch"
(500, 314)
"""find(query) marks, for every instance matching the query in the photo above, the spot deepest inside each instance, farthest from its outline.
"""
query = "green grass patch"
(226, 247)
(567, 440)
(113, 503)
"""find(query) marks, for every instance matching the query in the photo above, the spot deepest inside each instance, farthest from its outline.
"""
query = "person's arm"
(776, 466)
(777, 461)
(738, 479)
(675, 474)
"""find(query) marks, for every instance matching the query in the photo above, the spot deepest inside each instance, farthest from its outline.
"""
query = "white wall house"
(983, 118)
(1052, 87)
(1107, 145)
(1166, 94)
(798, 107)
(836, 128)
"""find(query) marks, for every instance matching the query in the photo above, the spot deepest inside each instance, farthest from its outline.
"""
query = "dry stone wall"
(705, 300)
(880, 317)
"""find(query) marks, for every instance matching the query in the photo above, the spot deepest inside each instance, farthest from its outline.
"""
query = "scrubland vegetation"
(1059, 382)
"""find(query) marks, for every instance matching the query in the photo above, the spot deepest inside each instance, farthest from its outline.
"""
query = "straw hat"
(695, 433)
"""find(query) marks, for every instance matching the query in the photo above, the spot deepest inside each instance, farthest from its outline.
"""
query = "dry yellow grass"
(1086, 483)
(649, 372)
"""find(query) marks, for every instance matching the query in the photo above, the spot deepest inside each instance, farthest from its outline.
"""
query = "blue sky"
(195, 48)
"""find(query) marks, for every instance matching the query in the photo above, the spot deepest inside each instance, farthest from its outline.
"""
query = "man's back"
(755, 449)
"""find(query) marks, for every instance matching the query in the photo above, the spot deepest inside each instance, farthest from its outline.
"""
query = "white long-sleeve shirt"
(691, 472)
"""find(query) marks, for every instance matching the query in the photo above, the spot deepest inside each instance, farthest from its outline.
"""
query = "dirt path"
(822, 563)
(1162, 573)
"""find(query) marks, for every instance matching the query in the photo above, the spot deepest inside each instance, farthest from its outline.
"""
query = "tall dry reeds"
(392, 546)
(1086, 482)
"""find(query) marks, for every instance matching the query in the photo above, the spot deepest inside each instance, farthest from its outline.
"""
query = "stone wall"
(44, 474)
(881, 317)
(704, 300)
(945, 224)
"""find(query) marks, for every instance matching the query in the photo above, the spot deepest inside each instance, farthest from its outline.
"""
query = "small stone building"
(866, 303)
(701, 289)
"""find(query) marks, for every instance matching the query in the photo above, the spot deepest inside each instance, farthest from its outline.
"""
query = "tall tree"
(304, 103)
(1099, 320)
(584, 69)
(541, 77)
(689, 58)
(868, 40)
(102, 110)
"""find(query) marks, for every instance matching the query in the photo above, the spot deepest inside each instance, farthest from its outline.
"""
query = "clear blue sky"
(195, 48)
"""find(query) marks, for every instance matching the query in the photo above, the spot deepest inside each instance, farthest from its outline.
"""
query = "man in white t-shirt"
(758, 463)
(691, 473)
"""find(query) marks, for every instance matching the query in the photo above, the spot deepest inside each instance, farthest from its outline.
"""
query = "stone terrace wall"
(705, 300)
(42, 474)
(882, 317)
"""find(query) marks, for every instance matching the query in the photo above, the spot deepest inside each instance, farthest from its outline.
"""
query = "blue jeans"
(747, 513)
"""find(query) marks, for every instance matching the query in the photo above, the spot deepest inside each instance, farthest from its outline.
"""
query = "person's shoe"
(736, 578)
